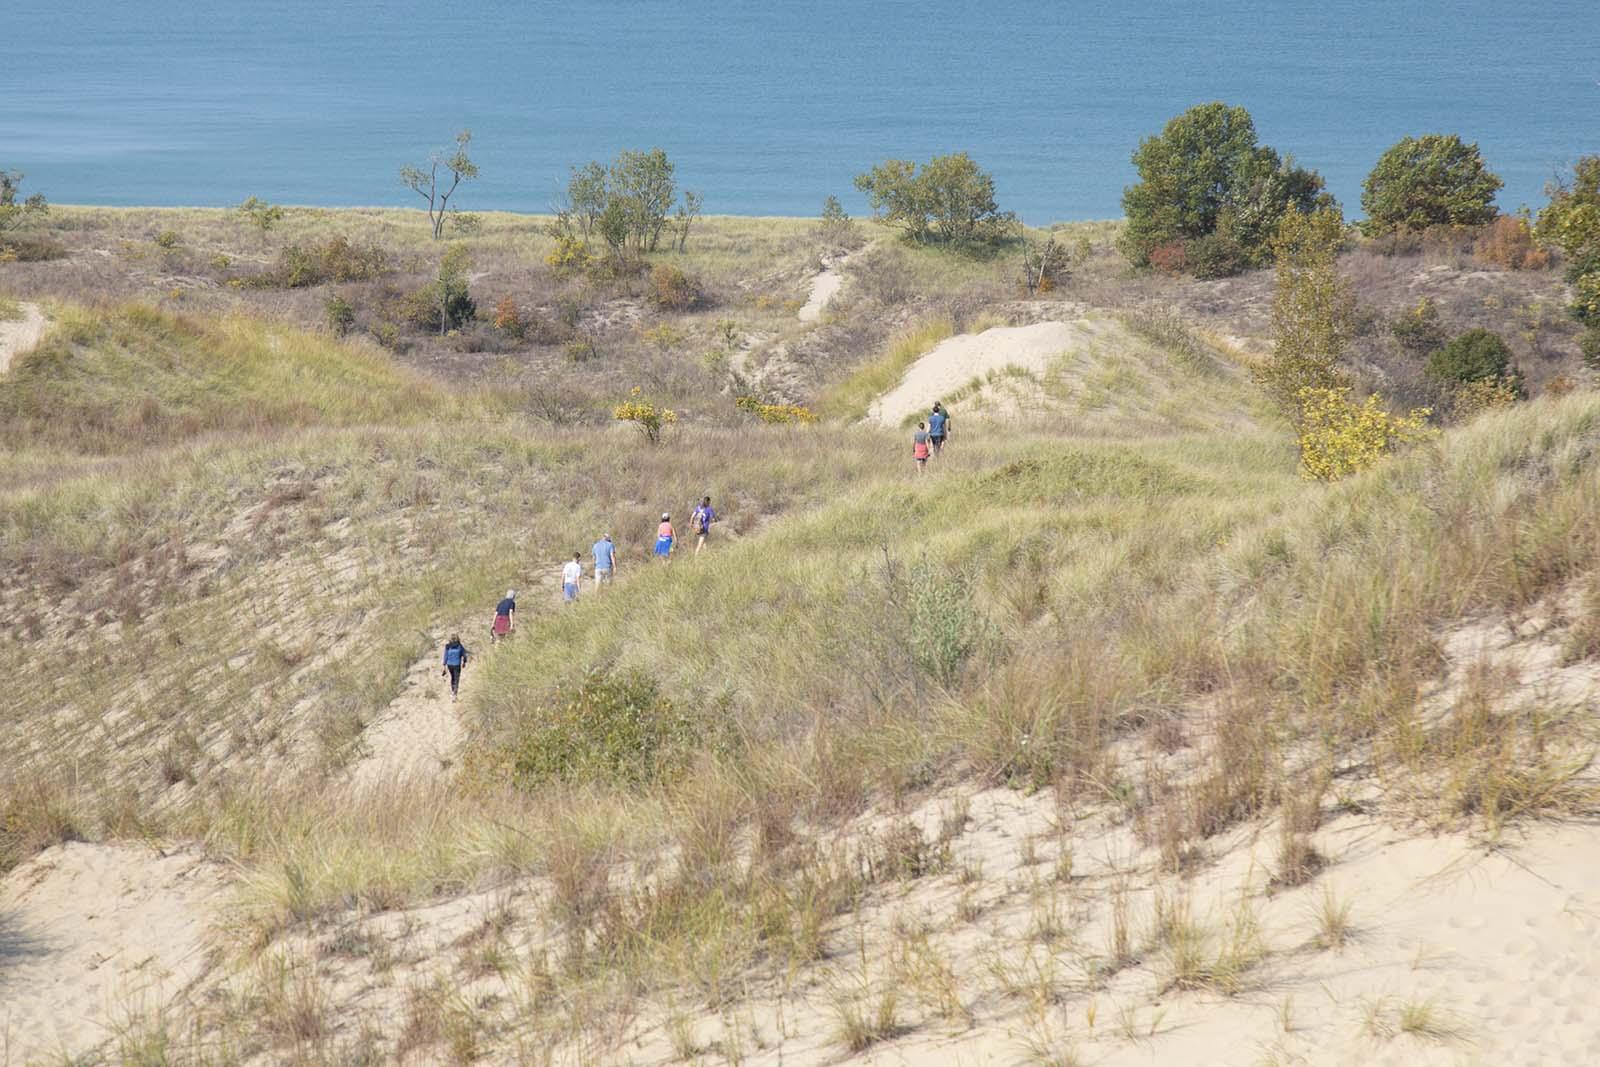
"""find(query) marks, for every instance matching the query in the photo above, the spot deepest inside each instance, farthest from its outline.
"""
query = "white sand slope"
(18, 337)
(93, 934)
(954, 362)
(420, 732)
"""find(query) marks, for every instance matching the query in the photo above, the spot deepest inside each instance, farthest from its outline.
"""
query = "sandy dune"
(18, 337)
(955, 362)
(92, 934)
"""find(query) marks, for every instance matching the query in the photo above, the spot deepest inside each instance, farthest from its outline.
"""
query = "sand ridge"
(954, 362)
(20, 336)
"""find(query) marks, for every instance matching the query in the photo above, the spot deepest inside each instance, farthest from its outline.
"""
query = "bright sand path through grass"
(91, 934)
(824, 287)
(955, 362)
(19, 336)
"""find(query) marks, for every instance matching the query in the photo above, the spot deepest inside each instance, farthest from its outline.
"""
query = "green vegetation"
(1474, 356)
(260, 214)
(948, 200)
(1205, 177)
(627, 205)
(1571, 222)
(1433, 180)
(1313, 310)
(437, 188)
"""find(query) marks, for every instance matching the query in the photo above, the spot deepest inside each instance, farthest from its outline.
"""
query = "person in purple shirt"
(700, 522)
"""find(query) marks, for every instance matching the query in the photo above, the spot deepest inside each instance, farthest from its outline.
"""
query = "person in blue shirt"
(700, 522)
(455, 658)
(938, 427)
(605, 561)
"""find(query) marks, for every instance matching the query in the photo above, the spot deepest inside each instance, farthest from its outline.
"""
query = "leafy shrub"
(260, 214)
(615, 728)
(1508, 244)
(1589, 345)
(1484, 394)
(340, 314)
(776, 413)
(646, 414)
(1169, 258)
(338, 259)
(948, 200)
(1419, 330)
(836, 228)
(507, 319)
(945, 629)
(567, 256)
(169, 239)
(1425, 181)
(1571, 222)
(1214, 256)
(1339, 437)
(672, 289)
(1473, 356)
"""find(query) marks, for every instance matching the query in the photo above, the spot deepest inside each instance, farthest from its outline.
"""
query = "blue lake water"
(766, 106)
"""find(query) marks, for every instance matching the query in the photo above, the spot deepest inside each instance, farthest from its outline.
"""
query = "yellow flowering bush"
(1485, 394)
(1340, 437)
(569, 256)
(644, 413)
(776, 413)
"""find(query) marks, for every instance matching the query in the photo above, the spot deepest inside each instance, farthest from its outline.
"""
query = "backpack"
(698, 520)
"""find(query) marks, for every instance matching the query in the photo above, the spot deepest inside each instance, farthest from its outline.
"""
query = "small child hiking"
(571, 575)
(505, 617)
(455, 658)
(919, 448)
(700, 522)
(666, 537)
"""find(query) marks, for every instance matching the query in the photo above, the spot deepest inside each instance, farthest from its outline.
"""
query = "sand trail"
(18, 337)
(825, 285)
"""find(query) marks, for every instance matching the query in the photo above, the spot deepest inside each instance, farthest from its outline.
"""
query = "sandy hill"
(1109, 740)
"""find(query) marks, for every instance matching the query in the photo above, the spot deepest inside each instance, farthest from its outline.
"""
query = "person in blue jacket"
(938, 427)
(455, 658)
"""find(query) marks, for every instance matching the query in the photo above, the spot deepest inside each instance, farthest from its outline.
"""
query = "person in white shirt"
(571, 574)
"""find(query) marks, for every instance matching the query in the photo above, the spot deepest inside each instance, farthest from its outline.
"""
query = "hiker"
(505, 617)
(700, 522)
(571, 575)
(938, 427)
(666, 537)
(919, 448)
(605, 561)
(455, 658)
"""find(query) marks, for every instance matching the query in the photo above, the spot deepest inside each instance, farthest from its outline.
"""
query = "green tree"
(642, 183)
(449, 290)
(436, 188)
(1313, 311)
(586, 196)
(949, 200)
(1474, 356)
(13, 213)
(1427, 181)
(1206, 174)
(1571, 222)
(688, 211)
